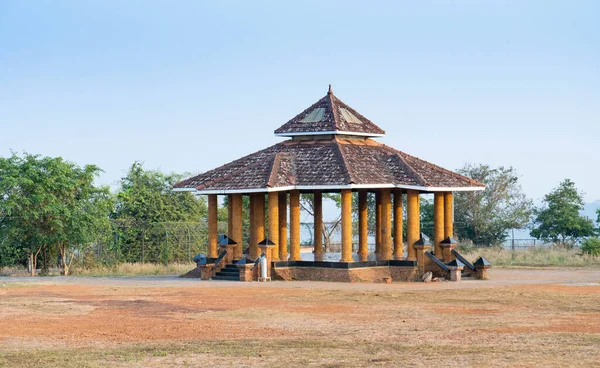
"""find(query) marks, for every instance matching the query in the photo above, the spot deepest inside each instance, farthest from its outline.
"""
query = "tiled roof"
(335, 162)
(327, 116)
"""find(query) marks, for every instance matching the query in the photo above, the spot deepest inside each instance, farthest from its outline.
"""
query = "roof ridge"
(276, 167)
(360, 116)
(273, 174)
(344, 162)
(398, 154)
(336, 116)
(228, 175)
(438, 168)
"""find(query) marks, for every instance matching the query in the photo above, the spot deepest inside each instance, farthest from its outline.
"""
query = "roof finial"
(330, 91)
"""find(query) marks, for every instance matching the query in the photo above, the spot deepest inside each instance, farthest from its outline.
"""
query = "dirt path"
(497, 277)
(518, 318)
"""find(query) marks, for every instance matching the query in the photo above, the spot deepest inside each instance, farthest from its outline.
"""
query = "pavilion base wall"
(436, 270)
(363, 274)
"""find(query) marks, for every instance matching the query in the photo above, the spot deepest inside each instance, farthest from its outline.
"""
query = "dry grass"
(534, 257)
(134, 269)
(551, 325)
(7, 271)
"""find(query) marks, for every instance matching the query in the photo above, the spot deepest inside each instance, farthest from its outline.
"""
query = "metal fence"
(161, 242)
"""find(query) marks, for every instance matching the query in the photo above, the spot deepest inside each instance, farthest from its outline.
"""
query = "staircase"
(228, 273)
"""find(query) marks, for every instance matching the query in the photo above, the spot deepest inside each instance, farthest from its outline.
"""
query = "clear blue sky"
(187, 86)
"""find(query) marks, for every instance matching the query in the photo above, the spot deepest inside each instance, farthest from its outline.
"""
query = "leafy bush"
(591, 246)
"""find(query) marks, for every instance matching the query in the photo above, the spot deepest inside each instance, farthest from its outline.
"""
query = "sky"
(187, 86)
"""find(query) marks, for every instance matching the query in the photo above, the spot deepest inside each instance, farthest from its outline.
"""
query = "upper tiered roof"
(334, 153)
(329, 115)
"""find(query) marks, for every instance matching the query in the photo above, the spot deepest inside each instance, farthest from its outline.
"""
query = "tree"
(47, 202)
(145, 199)
(558, 220)
(85, 210)
(488, 214)
(29, 208)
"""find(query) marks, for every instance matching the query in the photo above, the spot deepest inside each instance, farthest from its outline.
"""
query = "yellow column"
(318, 207)
(273, 204)
(363, 225)
(295, 225)
(259, 214)
(386, 224)
(212, 226)
(398, 231)
(252, 230)
(438, 223)
(257, 221)
(229, 214)
(448, 215)
(413, 229)
(346, 225)
(237, 231)
(378, 222)
(283, 252)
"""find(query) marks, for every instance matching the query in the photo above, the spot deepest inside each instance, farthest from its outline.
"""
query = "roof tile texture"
(326, 163)
(332, 120)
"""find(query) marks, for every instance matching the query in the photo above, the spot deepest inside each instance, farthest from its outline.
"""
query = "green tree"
(488, 214)
(558, 220)
(146, 199)
(85, 212)
(46, 202)
(28, 206)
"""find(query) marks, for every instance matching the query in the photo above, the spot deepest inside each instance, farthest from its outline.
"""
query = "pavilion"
(331, 148)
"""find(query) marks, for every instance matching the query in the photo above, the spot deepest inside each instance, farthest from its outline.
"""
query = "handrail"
(257, 261)
(463, 260)
(220, 258)
(437, 261)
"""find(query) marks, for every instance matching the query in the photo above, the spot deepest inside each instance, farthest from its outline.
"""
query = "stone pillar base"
(447, 255)
(246, 272)
(455, 273)
(421, 249)
(207, 271)
(482, 272)
(229, 256)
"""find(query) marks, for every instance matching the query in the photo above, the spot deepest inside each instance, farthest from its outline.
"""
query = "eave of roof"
(333, 165)
(332, 188)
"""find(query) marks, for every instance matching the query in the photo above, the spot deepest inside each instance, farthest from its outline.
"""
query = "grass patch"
(7, 271)
(534, 257)
(134, 269)
(296, 352)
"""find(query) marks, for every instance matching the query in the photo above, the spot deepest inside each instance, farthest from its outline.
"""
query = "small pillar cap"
(449, 240)
(225, 240)
(482, 262)
(423, 241)
(455, 263)
(266, 242)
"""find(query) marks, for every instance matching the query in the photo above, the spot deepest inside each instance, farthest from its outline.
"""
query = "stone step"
(226, 278)
(221, 273)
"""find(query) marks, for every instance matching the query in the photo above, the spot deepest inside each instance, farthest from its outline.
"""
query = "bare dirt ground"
(517, 318)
